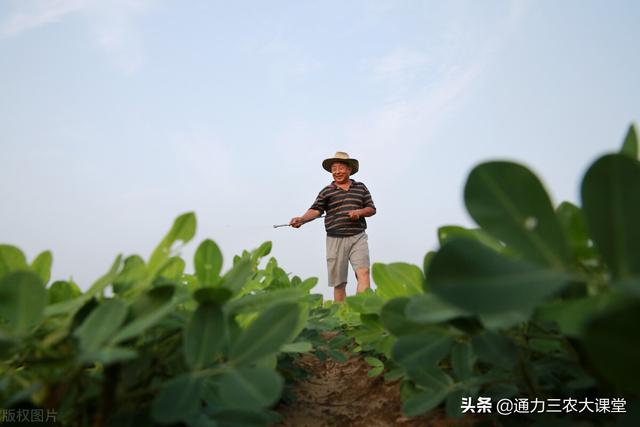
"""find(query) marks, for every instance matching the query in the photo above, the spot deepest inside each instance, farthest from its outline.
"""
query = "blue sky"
(116, 117)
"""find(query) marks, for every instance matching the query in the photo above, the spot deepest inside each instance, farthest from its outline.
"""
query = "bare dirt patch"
(341, 394)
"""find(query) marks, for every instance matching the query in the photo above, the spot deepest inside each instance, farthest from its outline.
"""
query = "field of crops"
(530, 319)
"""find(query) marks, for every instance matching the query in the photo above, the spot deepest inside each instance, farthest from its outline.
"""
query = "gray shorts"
(344, 250)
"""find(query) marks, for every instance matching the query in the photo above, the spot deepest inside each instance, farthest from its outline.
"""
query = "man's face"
(340, 172)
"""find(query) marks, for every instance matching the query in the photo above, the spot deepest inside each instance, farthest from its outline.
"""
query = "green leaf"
(101, 324)
(273, 328)
(370, 335)
(99, 285)
(449, 232)
(509, 202)
(375, 372)
(262, 251)
(394, 374)
(109, 355)
(7, 347)
(11, 259)
(173, 268)
(397, 280)
(425, 349)
(575, 228)
(140, 324)
(462, 360)
(152, 300)
(134, 271)
(208, 263)
(426, 262)
(81, 314)
(183, 229)
(245, 418)
(204, 336)
(501, 391)
(22, 301)
(252, 303)
(612, 343)
(430, 377)
(437, 384)
(395, 320)
(428, 308)
(70, 307)
(631, 145)
(249, 388)
(549, 346)
(373, 361)
(308, 284)
(178, 400)
(297, 347)
(454, 400)
(423, 402)
(365, 303)
(238, 276)
(303, 317)
(212, 295)
(337, 355)
(269, 362)
(471, 276)
(505, 319)
(42, 266)
(611, 204)
(573, 315)
(494, 348)
(61, 290)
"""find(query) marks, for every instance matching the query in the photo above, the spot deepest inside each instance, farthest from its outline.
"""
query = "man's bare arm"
(360, 213)
(308, 216)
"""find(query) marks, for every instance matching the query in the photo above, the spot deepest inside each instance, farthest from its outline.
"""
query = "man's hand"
(354, 215)
(296, 222)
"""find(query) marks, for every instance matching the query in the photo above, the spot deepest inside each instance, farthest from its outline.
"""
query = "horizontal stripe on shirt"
(336, 202)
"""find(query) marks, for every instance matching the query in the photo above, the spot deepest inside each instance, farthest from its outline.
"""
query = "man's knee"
(341, 286)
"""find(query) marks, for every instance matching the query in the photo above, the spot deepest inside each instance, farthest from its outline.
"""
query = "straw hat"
(342, 157)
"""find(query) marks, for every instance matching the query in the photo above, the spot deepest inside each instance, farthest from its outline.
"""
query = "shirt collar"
(333, 183)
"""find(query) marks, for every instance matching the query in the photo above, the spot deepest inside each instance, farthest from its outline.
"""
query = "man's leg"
(364, 282)
(359, 257)
(340, 292)
(337, 267)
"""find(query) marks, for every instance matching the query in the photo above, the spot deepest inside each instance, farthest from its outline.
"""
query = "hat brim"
(353, 163)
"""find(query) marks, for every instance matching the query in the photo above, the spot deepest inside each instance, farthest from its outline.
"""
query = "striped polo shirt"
(336, 202)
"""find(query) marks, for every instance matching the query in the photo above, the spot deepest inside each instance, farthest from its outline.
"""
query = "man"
(346, 203)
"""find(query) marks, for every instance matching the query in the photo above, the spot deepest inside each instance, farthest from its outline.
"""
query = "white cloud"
(30, 14)
(404, 125)
(115, 32)
(426, 85)
(110, 23)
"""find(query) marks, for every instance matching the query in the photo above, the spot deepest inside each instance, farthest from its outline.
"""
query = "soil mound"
(341, 394)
